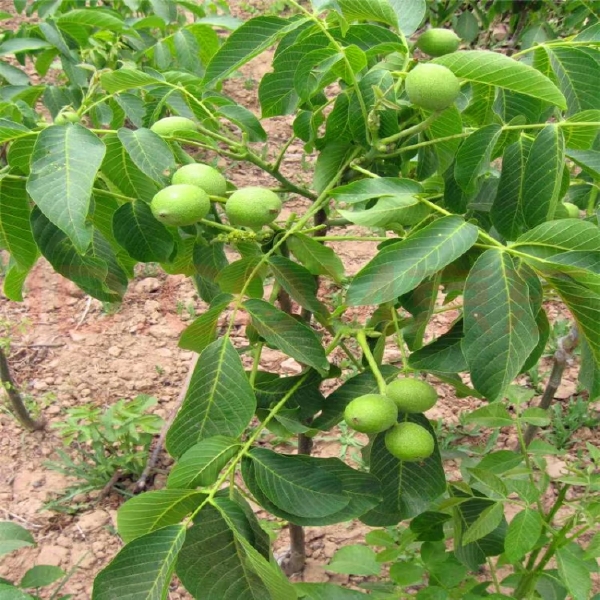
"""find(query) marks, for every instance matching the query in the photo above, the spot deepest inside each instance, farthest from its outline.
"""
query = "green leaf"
(401, 266)
(153, 510)
(555, 237)
(13, 282)
(22, 44)
(420, 303)
(448, 123)
(125, 79)
(120, 170)
(288, 334)
(41, 576)
(466, 514)
(369, 188)
(8, 592)
(492, 415)
(15, 230)
(150, 153)
(588, 160)
(486, 522)
(473, 157)
(251, 539)
(493, 68)
(355, 560)
(405, 573)
(295, 486)
(410, 14)
(203, 330)
(298, 282)
(245, 120)
(589, 371)
(329, 162)
(13, 75)
(19, 153)
(98, 18)
(90, 272)
(523, 533)
(542, 176)
(316, 257)
(577, 75)
(408, 488)
(219, 400)
(574, 573)
(11, 130)
(375, 10)
(327, 591)
(142, 570)
(144, 238)
(234, 277)
(507, 210)
(499, 462)
(536, 416)
(500, 329)
(362, 491)
(581, 138)
(212, 563)
(444, 355)
(404, 209)
(64, 165)
(13, 537)
(359, 385)
(201, 464)
(246, 42)
(398, 202)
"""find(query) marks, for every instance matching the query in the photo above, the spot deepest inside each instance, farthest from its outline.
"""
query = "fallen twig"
(140, 486)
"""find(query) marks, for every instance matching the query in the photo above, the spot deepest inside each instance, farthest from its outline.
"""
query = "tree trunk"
(14, 397)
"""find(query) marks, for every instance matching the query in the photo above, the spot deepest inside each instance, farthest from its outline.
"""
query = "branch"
(140, 486)
(14, 397)
(562, 356)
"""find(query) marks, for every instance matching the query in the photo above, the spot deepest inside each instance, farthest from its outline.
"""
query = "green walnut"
(253, 207)
(432, 87)
(371, 413)
(409, 442)
(437, 42)
(180, 205)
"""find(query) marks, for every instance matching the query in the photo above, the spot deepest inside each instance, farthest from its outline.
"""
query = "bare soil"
(69, 350)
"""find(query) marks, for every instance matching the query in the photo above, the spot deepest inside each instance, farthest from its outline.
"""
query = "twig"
(86, 310)
(140, 486)
(297, 556)
(109, 486)
(562, 356)
(40, 345)
(8, 514)
(14, 397)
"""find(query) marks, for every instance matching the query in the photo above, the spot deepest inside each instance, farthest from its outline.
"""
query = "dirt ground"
(72, 351)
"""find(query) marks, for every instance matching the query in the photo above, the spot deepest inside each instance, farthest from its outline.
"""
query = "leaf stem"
(361, 338)
(411, 130)
(351, 238)
(340, 49)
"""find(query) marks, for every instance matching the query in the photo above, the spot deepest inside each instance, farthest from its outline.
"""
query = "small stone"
(555, 467)
(92, 521)
(160, 331)
(314, 573)
(52, 555)
(40, 386)
(291, 365)
(115, 351)
(147, 285)
(566, 389)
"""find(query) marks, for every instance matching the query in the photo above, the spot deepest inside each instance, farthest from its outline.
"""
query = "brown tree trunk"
(14, 397)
